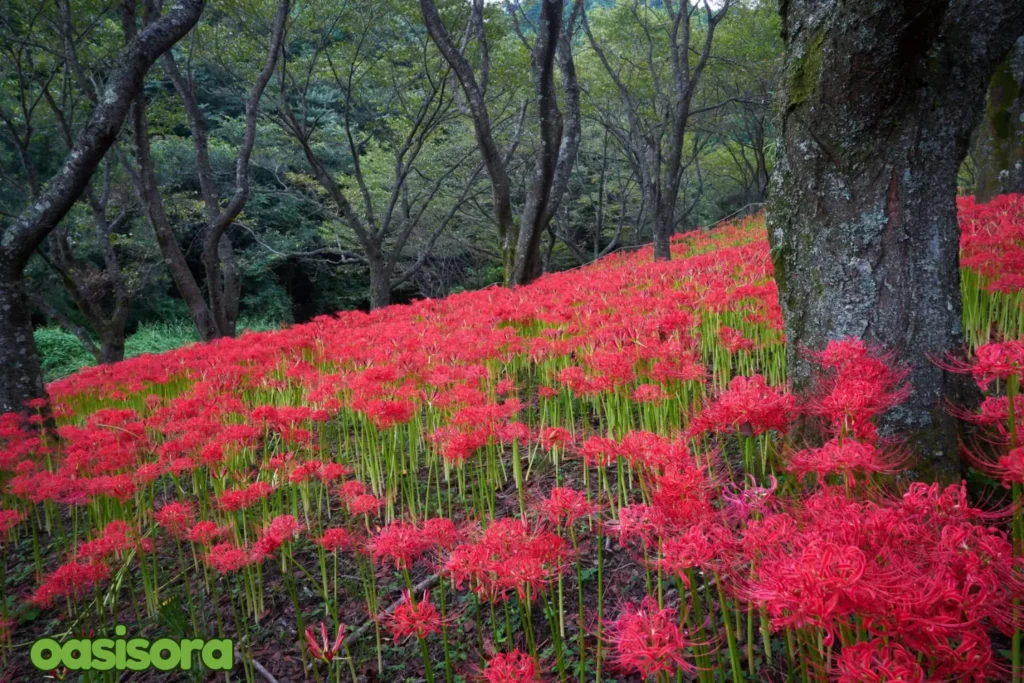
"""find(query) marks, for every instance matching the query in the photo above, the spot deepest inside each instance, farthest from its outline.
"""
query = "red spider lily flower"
(365, 504)
(512, 667)
(567, 505)
(281, 529)
(992, 361)
(411, 618)
(847, 457)
(74, 580)
(510, 556)
(858, 384)
(400, 543)
(599, 451)
(227, 558)
(744, 501)
(649, 393)
(505, 387)
(8, 520)
(441, 532)
(176, 518)
(555, 437)
(206, 532)
(733, 340)
(877, 661)
(749, 406)
(695, 548)
(239, 499)
(333, 471)
(350, 490)
(334, 540)
(117, 537)
(647, 639)
(324, 651)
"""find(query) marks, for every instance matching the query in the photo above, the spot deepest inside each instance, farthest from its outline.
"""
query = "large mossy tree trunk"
(1000, 142)
(880, 101)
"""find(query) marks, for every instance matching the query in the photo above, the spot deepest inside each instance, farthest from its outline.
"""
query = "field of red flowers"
(591, 478)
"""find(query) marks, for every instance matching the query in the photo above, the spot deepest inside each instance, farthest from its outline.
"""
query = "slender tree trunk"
(1000, 146)
(21, 377)
(380, 281)
(880, 101)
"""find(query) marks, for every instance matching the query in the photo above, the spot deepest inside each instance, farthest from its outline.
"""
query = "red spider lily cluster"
(639, 406)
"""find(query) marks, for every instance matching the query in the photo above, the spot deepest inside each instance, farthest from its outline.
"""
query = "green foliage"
(160, 337)
(60, 353)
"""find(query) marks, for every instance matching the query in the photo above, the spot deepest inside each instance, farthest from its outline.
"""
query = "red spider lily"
(510, 556)
(441, 532)
(117, 537)
(176, 518)
(365, 504)
(877, 661)
(334, 540)
(512, 667)
(647, 639)
(411, 618)
(206, 532)
(228, 558)
(649, 393)
(733, 340)
(555, 437)
(567, 505)
(324, 651)
(857, 386)
(695, 548)
(74, 580)
(240, 499)
(281, 529)
(749, 406)
(846, 457)
(8, 520)
(992, 361)
(400, 543)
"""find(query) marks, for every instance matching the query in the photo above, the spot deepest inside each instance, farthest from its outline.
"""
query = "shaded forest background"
(365, 162)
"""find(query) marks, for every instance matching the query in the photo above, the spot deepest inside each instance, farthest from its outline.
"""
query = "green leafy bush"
(60, 353)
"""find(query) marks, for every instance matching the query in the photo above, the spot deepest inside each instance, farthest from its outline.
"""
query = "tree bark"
(536, 213)
(20, 372)
(475, 95)
(879, 104)
(1000, 144)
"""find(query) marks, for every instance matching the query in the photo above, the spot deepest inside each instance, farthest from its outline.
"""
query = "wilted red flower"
(323, 650)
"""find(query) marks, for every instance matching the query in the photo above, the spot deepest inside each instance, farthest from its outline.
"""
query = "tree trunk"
(1000, 145)
(380, 282)
(880, 101)
(20, 370)
(528, 264)
(21, 377)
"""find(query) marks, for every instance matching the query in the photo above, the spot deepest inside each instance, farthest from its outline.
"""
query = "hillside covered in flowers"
(601, 476)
